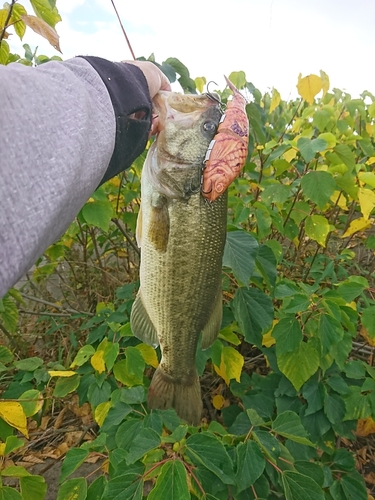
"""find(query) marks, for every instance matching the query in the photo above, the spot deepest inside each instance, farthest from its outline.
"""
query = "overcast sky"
(272, 41)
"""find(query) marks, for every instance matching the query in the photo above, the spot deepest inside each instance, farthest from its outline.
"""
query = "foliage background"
(288, 384)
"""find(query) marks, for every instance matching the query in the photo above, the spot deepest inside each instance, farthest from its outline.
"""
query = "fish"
(181, 238)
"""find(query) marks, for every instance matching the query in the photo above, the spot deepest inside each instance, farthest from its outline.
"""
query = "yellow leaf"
(97, 361)
(13, 414)
(290, 154)
(43, 29)
(329, 138)
(218, 402)
(275, 99)
(352, 305)
(115, 181)
(367, 177)
(148, 354)
(61, 373)
(268, 340)
(365, 334)
(101, 411)
(325, 82)
(2, 449)
(370, 129)
(200, 82)
(367, 201)
(357, 225)
(339, 199)
(365, 426)
(228, 334)
(309, 86)
(231, 364)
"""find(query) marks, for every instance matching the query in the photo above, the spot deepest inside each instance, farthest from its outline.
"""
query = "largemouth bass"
(182, 237)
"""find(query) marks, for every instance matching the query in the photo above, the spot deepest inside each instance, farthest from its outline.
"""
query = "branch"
(7, 20)
(10, 337)
(55, 306)
(128, 238)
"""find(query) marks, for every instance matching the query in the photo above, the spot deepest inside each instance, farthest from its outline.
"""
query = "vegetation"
(284, 388)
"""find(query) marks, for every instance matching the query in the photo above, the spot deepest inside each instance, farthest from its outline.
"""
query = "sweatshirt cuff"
(128, 91)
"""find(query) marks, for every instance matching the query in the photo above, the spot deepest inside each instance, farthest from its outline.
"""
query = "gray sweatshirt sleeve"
(65, 127)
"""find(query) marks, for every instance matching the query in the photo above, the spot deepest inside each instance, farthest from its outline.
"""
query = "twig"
(123, 30)
(7, 20)
(128, 238)
(55, 306)
(45, 313)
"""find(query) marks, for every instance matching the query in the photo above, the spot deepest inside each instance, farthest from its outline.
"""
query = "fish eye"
(209, 126)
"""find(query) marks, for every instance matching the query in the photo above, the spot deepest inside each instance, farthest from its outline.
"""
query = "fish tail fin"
(185, 398)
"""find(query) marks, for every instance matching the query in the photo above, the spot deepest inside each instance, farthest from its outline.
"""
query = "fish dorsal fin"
(212, 327)
(141, 324)
(158, 229)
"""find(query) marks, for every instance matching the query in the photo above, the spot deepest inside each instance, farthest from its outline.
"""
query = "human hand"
(156, 79)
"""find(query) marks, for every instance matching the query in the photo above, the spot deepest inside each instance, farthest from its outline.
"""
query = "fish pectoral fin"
(212, 327)
(141, 324)
(158, 229)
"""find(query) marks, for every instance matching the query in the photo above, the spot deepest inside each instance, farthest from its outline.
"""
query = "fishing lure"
(227, 152)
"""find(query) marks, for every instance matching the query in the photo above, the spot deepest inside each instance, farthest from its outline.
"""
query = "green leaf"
(205, 449)
(31, 402)
(276, 193)
(309, 148)
(83, 355)
(266, 265)
(73, 489)
(8, 311)
(7, 493)
(299, 365)
(33, 487)
(300, 487)
(116, 415)
(29, 364)
(352, 287)
(144, 441)
(46, 11)
(317, 228)
(73, 459)
(318, 186)
(4, 54)
(66, 385)
(334, 408)
(13, 443)
(354, 488)
(239, 254)
(288, 335)
(250, 464)
(253, 310)
(346, 155)
(314, 392)
(171, 483)
(98, 213)
(368, 320)
(256, 124)
(357, 404)
(321, 119)
(96, 489)
(19, 26)
(330, 332)
(129, 371)
(311, 469)
(238, 78)
(6, 356)
(127, 432)
(15, 471)
(268, 443)
(288, 425)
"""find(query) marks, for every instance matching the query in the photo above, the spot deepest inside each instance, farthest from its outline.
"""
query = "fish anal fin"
(158, 229)
(212, 327)
(185, 398)
(141, 324)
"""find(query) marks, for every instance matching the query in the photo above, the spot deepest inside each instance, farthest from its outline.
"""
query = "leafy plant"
(282, 386)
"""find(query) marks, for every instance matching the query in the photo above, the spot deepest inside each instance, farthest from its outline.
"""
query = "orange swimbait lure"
(227, 152)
